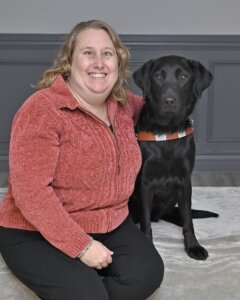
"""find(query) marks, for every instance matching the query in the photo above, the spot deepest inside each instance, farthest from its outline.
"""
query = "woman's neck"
(99, 109)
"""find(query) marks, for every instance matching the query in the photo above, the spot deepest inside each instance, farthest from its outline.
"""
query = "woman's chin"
(104, 91)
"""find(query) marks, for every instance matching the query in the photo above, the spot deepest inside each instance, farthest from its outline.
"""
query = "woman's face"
(94, 69)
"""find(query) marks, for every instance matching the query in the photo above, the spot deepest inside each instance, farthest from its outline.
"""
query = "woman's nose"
(99, 61)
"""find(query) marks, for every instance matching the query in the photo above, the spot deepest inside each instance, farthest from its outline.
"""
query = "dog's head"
(172, 84)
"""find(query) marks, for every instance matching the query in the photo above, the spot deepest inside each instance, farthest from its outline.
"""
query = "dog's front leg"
(192, 246)
(145, 211)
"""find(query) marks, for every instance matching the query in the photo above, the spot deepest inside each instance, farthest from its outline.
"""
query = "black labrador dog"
(171, 86)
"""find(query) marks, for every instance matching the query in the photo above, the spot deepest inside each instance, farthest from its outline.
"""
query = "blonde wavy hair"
(62, 64)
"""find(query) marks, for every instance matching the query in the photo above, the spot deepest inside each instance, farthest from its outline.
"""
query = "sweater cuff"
(85, 249)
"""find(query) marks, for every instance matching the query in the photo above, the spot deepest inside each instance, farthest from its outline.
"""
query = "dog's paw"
(197, 252)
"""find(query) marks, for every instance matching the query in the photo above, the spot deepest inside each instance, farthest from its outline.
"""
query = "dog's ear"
(202, 77)
(142, 77)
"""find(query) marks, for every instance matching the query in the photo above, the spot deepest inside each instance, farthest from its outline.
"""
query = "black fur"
(171, 86)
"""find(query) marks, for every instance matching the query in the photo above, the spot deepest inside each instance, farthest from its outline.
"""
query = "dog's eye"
(182, 77)
(159, 77)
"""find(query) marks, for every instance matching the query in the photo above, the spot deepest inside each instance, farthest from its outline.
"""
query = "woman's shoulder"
(40, 103)
(134, 99)
(41, 99)
(38, 106)
(135, 104)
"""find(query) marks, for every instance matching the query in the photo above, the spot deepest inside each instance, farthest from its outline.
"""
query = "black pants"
(135, 273)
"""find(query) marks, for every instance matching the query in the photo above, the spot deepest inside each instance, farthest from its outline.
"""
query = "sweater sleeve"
(136, 103)
(33, 156)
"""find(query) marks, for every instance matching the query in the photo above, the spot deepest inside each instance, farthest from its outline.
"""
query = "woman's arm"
(34, 151)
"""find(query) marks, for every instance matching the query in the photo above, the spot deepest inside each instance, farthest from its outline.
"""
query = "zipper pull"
(119, 169)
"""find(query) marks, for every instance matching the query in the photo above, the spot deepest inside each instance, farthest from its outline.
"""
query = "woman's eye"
(108, 53)
(89, 53)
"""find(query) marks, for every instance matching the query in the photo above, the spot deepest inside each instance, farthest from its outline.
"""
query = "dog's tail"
(201, 214)
(174, 215)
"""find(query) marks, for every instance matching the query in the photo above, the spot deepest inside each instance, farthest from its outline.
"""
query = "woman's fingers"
(97, 256)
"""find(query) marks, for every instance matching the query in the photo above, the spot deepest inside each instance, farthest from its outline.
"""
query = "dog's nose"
(170, 101)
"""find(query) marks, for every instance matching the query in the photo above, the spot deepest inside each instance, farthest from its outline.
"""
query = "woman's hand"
(97, 256)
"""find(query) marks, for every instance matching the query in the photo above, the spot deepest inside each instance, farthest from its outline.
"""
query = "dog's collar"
(149, 136)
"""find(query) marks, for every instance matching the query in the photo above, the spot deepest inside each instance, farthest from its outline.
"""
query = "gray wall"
(207, 30)
(24, 57)
(126, 16)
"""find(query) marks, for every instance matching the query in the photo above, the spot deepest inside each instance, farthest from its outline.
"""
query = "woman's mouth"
(97, 75)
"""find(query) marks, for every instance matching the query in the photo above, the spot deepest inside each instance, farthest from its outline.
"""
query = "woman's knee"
(155, 272)
(149, 271)
(137, 282)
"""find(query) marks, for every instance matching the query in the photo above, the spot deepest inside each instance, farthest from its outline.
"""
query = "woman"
(65, 230)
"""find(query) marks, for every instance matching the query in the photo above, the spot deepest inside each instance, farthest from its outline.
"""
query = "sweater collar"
(65, 99)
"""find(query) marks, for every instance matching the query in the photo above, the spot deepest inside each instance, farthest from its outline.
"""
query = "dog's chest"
(168, 160)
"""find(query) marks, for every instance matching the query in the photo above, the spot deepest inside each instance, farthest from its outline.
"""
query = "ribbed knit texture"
(70, 175)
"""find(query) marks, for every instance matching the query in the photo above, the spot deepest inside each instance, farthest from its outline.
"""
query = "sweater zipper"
(112, 133)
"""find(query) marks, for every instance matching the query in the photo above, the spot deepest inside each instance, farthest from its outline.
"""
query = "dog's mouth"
(171, 110)
(173, 114)
(166, 109)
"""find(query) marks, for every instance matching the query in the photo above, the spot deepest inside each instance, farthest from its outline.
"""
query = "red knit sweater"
(69, 173)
